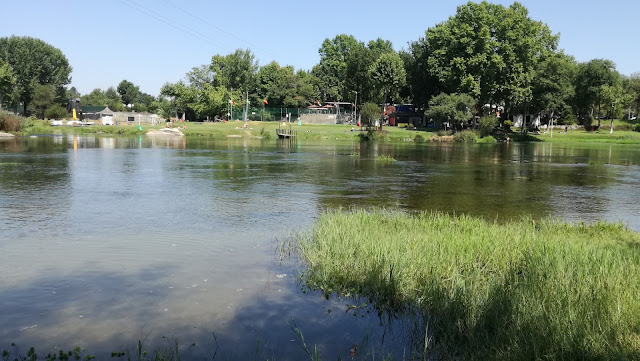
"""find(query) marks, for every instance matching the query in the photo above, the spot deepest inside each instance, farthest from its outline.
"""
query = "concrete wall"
(123, 117)
(318, 118)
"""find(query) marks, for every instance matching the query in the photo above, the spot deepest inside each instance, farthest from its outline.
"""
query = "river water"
(107, 240)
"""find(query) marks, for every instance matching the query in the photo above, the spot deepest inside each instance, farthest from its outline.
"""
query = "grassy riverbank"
(515, 291)
(599, 136)
(264, 130)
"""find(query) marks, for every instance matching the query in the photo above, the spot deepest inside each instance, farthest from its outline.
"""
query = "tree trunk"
(612, 116)
(598, 115)
(551, 122)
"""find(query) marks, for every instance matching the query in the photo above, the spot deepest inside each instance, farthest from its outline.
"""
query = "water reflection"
(176, 235)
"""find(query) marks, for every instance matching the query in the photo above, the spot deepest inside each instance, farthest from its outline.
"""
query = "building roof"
(98, 109)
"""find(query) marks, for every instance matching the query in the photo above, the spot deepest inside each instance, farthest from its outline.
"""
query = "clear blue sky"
(150, 42)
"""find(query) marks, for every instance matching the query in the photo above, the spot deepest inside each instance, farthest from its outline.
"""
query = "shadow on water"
(102, 312)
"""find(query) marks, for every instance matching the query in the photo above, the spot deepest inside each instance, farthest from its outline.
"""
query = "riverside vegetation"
(521, 290)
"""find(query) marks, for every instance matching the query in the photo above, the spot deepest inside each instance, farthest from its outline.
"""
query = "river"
(107, 240)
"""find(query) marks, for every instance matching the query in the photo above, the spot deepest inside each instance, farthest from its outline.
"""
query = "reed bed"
(520, 290)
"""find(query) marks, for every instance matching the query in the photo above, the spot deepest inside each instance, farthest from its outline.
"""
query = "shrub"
(9, 123)
(587, 122)
(636, 128)
(488, 139)
(443, 133)
(570, 119)
(56, 111)
(486, 124)
(466, 136)
(418, 138)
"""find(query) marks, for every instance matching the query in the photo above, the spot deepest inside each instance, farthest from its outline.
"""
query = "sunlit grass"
(520, 290)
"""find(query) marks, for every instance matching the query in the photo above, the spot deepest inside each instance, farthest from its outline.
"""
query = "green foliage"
(570, 119)
(108, 98)
(486, 124)
(466, 136)
(486, 50)
(43, 97)
(370, 112)
(385, 159)
(33, 62)
(388, 75)
(128, 92)
(588, 121)
(636, 128)
(235, 71)
(520, 290)
(7, 82)
(591, 79)
(487, 140)
(56, 111)
(330, 74)
(419, 139)
(453, 109)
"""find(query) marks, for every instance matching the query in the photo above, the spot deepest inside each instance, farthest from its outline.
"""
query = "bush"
(587, 122)
(636, 128)
(56, 111)
(486, 124)
(466, 136)
(443, 133)
(9, 123)
(570, 119)
(489, 140)
(418, 139)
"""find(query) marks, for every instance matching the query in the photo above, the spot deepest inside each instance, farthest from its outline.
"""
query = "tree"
(631, 86)
(235, 71)
(56, 111)
(108, 98)
(43, 98)
(359, 60)
(553, 88)
(34, 62)
(451, 109)
(283, 87)
(485, 50)
(388, 75)
(128, 92)
(7, 83)
(590, 81)
(330, 74)
(369, 113)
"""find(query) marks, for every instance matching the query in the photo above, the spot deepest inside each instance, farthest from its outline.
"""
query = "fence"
(280, 114)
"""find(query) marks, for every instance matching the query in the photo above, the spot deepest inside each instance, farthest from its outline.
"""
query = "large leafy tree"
(128, 92)
(34, 62)
(235, 71)
(330, 74)
(7, 82)
(591, 79)
(43, 98)
(359, 60)
(553, 89)
(631, 86)
(452, 109)
(388, 75)
(108, 98)
(485, 50)
(283, 87)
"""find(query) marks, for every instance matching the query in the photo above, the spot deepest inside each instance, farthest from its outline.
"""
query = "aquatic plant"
(524, 289)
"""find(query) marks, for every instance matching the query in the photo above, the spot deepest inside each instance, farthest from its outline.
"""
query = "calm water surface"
(105, 240)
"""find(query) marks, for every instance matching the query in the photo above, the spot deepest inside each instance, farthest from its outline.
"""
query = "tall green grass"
(521, 290)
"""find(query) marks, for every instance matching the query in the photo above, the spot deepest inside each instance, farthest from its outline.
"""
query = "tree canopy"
(33, 62)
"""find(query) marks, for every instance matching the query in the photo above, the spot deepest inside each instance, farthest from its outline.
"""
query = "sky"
(151, 42)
